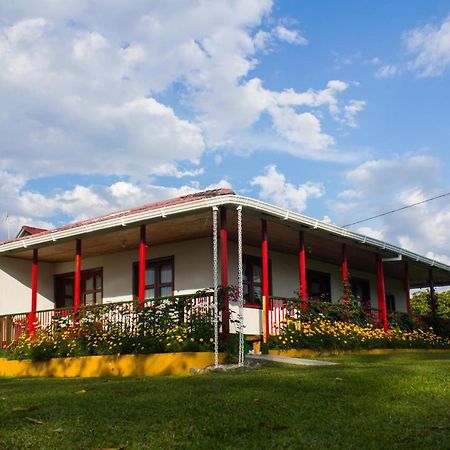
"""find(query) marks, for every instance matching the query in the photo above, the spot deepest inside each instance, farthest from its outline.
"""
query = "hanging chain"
(216, 283)
(240, 288)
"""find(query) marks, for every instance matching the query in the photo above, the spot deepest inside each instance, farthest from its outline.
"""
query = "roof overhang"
(198, 209)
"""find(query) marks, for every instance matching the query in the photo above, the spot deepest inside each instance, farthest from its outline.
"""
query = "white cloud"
(89, 45)
(442, 258)
(402, 172)
(266, 40)
(303, 129)
(290, 36)
(388, 70)
(80, 80)
(314, 98)
(262, 39)
(349, 194)
(430, 46)
(78, 203)
(351, 110)
(139, 89)
(371, 232)
(378, 186)
(274, 188)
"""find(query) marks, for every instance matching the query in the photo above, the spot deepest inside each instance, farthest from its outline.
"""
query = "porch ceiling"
(127, 238)
(283, 236)
(326, 247)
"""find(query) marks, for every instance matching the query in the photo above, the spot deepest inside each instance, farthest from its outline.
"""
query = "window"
(91, 292)
(361, 290)
(390, 303)
(318, 285)
(159, 278)
(91, 287)
(252, 280)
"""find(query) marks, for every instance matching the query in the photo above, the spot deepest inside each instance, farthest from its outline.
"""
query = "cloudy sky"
(338, 110)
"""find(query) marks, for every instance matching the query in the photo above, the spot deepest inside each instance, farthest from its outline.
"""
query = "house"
(166, 248)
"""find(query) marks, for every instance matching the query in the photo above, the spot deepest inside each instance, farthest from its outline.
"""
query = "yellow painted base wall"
(306, 353)
(104, 366)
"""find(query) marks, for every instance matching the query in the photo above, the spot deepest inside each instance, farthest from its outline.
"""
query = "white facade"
(192, 271)
(15, 285)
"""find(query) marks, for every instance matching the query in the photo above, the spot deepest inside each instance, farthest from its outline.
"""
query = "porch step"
(256, 341)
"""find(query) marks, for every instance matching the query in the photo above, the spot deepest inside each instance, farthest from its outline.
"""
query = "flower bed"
(323, 334)
(160, 327)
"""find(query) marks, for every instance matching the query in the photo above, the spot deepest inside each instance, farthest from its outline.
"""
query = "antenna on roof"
(6, 219)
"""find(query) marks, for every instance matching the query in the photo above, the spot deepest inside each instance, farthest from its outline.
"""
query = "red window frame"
(63, 279)
(249, 261)
(155, 263)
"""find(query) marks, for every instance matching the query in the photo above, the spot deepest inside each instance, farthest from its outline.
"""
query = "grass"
(371, 402)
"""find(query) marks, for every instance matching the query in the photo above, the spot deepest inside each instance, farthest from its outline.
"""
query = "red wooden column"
(34, 287)
(265, 279)
(381, 293)
(302, 271)
(77, 285)
(345, 273)
(407, 289)
(223, 237)
(142, 259)
(433, 305)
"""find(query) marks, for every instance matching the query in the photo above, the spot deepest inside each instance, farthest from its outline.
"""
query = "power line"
(396, 210)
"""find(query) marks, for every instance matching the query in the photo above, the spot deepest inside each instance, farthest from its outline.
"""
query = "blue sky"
(338, 110)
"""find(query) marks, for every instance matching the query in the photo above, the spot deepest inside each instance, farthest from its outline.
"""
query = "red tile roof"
(31, 230)
(151, 206)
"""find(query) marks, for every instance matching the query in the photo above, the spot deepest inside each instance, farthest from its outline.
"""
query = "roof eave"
(196, 205)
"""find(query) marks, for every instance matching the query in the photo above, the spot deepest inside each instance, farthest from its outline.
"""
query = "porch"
(160, 251)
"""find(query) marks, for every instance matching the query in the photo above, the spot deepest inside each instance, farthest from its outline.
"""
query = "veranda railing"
(128, 315)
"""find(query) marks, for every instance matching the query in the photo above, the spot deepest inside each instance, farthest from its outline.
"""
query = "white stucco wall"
(192, 270)
(15, 285)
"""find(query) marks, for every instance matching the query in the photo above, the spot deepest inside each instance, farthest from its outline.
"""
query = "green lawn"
(383, 402)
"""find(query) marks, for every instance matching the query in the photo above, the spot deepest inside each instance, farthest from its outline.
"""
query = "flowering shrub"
(162, 325)
(323, 334)
(350, 313)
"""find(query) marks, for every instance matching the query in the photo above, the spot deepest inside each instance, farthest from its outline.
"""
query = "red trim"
(407, 288)
(142, 263)
(77, 282)
(265, 277)
(223, 237)
(302, 270)
(345, 273)
(433, 305)
(34, 286)
(381, 293)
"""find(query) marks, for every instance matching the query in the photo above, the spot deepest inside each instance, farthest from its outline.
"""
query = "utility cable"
(396, 210)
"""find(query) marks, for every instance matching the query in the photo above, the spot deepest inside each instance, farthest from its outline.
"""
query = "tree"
(420, 303)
